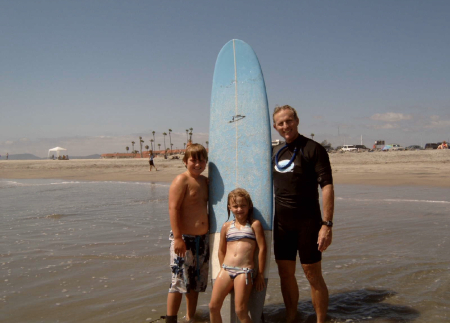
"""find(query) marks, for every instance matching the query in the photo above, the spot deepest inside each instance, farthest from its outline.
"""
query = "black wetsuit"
(297, 209)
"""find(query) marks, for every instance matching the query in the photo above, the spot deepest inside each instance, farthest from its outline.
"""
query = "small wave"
(391, 200)
(56, 216)
(44, 182)
(25, 184)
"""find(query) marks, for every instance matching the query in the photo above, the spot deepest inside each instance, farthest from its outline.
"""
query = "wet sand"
(424, 168)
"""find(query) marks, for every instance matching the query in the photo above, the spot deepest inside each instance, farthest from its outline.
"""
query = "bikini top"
(234, 234)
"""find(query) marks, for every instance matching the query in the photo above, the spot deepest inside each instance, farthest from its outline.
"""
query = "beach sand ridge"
(425, 168)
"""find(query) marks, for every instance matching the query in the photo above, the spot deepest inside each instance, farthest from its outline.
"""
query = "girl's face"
(239, 206)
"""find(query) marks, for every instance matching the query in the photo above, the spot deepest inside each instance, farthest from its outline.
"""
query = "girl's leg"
(222, 286)
(241, 296)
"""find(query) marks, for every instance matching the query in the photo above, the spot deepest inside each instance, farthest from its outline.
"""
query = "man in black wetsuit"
(298, 168)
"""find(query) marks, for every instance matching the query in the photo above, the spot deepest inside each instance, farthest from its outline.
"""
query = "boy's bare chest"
(196, 190)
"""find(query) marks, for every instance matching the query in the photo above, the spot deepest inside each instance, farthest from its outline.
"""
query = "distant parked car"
(397, 147)
(349, 148)
(414, 147)
(431, 146)
(361, 148)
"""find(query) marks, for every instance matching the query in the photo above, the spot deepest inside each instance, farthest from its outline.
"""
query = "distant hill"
(21, 157)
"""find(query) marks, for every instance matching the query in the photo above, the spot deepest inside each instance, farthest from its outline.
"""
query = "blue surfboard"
(239, 152)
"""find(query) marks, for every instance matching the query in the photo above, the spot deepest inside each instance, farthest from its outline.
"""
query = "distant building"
(277, 142)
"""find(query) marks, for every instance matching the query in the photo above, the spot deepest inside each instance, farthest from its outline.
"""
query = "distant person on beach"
(150, 160)
(298, 168)
(189, 238)
(441, 146)
(7, 156)
(238, 241)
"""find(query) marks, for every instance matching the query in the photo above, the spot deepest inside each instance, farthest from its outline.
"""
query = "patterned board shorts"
(190, 272)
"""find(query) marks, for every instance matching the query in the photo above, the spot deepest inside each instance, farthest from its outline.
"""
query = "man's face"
(286, 125)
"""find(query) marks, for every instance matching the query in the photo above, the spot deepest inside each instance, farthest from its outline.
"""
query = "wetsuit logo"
(283, 163)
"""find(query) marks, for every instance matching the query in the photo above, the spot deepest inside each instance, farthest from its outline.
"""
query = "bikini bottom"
(236, 271)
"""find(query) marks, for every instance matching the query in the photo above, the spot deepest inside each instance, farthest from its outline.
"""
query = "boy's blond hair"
(240, 192)
(196, 151)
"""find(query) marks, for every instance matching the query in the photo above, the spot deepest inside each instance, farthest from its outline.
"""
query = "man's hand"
(260, 283)
(179, 247)
(325, 238)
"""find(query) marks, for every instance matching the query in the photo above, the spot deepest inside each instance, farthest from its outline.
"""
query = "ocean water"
(98, 252)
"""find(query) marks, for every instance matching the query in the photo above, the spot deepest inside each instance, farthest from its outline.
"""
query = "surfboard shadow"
(358, 305)
(216, 184)
(216, 192)
(257, 215)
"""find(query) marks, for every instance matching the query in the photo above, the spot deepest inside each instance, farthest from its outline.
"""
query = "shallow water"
(98, 252)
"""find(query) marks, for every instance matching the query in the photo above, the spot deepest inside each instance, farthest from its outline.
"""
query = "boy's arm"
(176, 195)
(223, 243)
(261, 241)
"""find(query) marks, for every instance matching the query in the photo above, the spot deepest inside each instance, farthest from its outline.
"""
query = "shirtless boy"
(189, 241)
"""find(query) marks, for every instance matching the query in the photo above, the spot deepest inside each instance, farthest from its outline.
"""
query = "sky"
(92, 76)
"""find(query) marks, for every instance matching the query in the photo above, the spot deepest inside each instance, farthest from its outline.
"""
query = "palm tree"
(312, 136)
(184, 145)
(127, 148)
(153, 135)
(133, 147)
(151, 143)
(207, 142)
(164, 134)
(171, 148)
(170, 141)
(140, 143)
(190, 134)
(159, 146)
(147, 147)
(187, 130)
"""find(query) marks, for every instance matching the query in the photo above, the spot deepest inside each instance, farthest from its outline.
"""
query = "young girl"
(238, 241)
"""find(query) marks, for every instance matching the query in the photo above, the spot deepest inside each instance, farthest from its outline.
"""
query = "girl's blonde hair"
(240, 192)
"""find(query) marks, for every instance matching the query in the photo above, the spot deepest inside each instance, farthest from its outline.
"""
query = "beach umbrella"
(57, 150)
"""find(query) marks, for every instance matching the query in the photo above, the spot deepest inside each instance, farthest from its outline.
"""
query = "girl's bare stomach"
(240, 253)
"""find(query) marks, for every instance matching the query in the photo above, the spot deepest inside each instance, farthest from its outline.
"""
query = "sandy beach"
(416, 168)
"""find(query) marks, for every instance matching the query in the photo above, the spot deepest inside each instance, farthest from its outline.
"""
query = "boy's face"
(196, 166)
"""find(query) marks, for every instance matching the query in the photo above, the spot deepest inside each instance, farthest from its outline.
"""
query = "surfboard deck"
(239, 153)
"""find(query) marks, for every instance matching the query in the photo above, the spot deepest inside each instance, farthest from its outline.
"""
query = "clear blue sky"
(91, 76)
